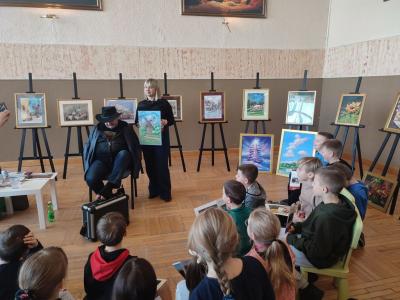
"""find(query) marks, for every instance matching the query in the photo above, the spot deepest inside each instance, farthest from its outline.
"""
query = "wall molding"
(105, 62)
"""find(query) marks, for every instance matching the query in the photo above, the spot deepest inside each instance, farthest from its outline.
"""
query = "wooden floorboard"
(158, 230)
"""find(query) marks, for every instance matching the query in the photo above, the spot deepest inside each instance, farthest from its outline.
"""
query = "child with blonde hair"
(275, 255)
(213, 240)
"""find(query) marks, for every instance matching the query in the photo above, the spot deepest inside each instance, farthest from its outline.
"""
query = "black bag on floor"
(20, 202)
(93, 211)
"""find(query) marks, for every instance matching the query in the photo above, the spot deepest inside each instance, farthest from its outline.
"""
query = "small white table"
(34, 186)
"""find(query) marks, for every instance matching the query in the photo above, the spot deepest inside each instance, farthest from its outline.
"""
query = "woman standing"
(156, 157)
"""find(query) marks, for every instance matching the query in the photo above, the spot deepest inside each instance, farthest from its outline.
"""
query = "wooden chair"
(340, 271)
(133, 190)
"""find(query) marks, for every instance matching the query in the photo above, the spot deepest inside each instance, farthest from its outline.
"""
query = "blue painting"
(150, 128)
(295, 144)
(257, 149)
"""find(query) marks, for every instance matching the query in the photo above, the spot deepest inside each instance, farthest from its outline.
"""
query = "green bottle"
(50, 212)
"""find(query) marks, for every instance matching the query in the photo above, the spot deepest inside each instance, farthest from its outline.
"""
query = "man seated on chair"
(112, 151)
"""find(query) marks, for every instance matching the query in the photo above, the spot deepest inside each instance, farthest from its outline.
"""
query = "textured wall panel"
(105, 62)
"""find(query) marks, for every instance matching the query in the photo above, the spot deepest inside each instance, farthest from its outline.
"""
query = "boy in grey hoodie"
(255, 193)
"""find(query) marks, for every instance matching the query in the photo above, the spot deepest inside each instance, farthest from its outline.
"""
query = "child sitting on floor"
(103, 265)
(16, 244)
(255, 193)
(233, 194)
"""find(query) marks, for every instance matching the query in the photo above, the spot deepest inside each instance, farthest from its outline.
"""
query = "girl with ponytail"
(275, 255)
(213, 240)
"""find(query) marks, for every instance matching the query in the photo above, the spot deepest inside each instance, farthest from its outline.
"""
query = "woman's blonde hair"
(213, 236)
(42, 272)
(265, 227)
(152, 83)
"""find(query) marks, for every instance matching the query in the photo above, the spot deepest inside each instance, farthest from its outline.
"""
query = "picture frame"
(255, 104)
(126, 107)
(301, 108)
(30, 110)
(294, 145)
(257, 149)
(255, 8)
(350, 109)
(67, 4)
(380, 190)
(149, 128)
(218, 203)
(176, 103)
(212, 107)
(393, 121)
(75, 112)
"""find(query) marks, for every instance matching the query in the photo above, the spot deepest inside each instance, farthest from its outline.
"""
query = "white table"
(35, 187)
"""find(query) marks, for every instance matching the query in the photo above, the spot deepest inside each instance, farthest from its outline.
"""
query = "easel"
(303, 89)
(78, 134)
(255, 122)
(178, 139)
(213, 149)
(387, 164)
(37, 150)
(356, 147)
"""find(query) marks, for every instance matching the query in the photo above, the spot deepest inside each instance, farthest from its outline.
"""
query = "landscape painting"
(75, 112)
(126, 107)
(300, 108)
(295, 144)
(30, 110)
(257, 149)
(212, 107)
(225, 8)
(149, 128)
(350, 109)
(255, 104)
(176, 104)
(380, 190)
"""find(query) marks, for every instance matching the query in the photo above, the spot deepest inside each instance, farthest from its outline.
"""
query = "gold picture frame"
(394, 117)
(349, 113)
(378, 196)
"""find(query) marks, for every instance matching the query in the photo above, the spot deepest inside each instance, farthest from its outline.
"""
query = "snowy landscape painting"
(257, 149)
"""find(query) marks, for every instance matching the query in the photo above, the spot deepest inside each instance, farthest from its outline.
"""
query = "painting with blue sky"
(295, 144)
(257, 149)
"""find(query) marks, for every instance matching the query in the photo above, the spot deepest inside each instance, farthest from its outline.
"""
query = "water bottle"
(50, 212)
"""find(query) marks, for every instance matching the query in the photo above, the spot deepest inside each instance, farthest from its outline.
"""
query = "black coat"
(131, 140)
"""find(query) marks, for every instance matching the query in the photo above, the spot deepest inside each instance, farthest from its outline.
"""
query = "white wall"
(158, 23)
(353, 21)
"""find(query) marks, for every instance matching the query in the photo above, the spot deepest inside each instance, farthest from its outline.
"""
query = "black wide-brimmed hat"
(108, 113)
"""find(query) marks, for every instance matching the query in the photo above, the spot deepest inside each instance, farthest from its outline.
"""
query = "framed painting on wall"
(176, 104)
(380, 190)
(223, 8)
(212, 107)
(126, 107)
(300, 107)
(257, 149)
(393, 122)
(30, 110)
(149, 128)
(295, 144)
(69, 4)
(350, 109)
(75, 112)
(255, 104)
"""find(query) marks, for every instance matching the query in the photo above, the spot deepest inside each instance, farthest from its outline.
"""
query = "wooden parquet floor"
(158, 230)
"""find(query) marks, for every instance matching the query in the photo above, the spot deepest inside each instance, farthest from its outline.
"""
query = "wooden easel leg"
(21, 149)
(335, 133)
(46, 144)
(201, 147)
(353, 150)
(39, 150)
(378, 155)
(224, 147)
(395, 194)
(34, 148)
(346, 133)
(87, 130)
(178, 139)
(263, 127)
(360, 164)
(255, 127)
(80, 144)
(390, 156)
(212, 144)
(169, 157)
(246, 130)
(66, 154)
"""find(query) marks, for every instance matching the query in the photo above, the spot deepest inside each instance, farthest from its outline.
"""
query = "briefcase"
(93, 211)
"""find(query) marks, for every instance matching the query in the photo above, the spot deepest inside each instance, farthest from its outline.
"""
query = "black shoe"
(312, 277)
(311, 292)
(166, 199)
(361, 242)
(106, 191)
(152, 196)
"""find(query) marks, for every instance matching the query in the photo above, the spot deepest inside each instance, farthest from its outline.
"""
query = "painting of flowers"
(257, 149)
(350, 109)
(380, 190)
(295, 144)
